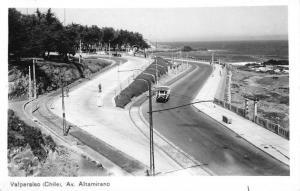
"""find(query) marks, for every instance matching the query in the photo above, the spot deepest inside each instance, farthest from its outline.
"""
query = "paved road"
(123, 143)
(206, 140)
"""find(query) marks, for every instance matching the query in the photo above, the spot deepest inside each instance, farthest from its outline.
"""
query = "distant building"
(277, 71)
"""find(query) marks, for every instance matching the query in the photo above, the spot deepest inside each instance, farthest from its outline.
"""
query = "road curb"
(222, 124)
(142, 118)
(127, 168)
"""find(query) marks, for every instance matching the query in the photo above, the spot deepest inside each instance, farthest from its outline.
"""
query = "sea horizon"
(236, 51)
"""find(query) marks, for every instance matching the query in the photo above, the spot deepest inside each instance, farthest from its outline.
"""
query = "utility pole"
(255, 109)
(29, 84)
(156, 75)
(151, 131)
(34, 80)
(79, 50)
(109, 48)
(63, 108)
(228, 85)
(152, 166)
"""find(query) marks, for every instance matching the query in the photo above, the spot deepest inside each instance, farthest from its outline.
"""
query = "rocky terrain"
(30, 152)
(272, 90)
(49, 75)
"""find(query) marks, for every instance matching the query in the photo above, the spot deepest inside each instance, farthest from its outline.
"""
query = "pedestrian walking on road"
(99, 97)
(100, 88)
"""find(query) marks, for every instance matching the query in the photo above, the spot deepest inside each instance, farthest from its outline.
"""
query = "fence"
(275, 128)
(185, 59)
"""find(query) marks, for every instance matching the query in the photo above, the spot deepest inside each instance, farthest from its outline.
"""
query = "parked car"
(117, 54)
(163, 94)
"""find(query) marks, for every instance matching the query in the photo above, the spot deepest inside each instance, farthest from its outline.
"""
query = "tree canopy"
(38, 34)
(187, 48)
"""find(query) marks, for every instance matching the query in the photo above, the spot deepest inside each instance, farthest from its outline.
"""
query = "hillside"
(48, 75)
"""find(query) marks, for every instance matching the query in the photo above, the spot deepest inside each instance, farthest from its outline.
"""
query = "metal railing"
(267, 124)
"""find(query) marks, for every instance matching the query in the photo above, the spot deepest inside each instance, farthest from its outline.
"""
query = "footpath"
(38, 113)
(260, 137)
(113, 126)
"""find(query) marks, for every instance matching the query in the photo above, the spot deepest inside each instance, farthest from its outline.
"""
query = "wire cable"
(184, 105)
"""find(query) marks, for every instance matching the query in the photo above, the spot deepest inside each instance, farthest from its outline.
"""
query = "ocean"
(234, 51)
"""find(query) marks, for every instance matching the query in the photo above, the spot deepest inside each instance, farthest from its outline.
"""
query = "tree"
(187, 48)
(17, 33)
(92, 37)
(108, 35)
(41, 33)
(52, 29)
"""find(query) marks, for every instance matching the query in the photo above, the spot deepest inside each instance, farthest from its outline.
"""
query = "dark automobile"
(116, 54)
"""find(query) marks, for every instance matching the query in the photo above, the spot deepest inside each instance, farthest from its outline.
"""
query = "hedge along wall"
(137, 87)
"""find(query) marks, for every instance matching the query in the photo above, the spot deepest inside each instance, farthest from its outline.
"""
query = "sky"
(187, 24)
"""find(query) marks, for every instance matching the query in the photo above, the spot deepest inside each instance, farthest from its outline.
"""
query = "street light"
(164, 67)
(156, 68)
(64, 124)
(156, 74)
(156, 71)
(152, 75)
(152, 166)
(146, 73)
(109, 48)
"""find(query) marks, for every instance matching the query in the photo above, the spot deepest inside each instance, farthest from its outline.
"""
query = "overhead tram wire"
(184, 105)
(183, 96)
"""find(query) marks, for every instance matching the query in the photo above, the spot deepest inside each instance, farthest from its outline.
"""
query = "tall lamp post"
(156, 67)
(63, 104)
(153, 76)
(34, 80)
(152, 166)
(156, 74)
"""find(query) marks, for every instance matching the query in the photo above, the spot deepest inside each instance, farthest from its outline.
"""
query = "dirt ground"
(271, 90)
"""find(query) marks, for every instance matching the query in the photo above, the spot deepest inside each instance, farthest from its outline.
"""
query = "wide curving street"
(209, 142)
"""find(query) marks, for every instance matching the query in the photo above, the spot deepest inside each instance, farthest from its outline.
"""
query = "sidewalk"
(260, 137)
(110, 124)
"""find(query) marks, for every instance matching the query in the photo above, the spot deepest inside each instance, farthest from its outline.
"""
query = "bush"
(276, 62)
(22, 135)
(48, 75)
(138, 87)
(187, 48)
